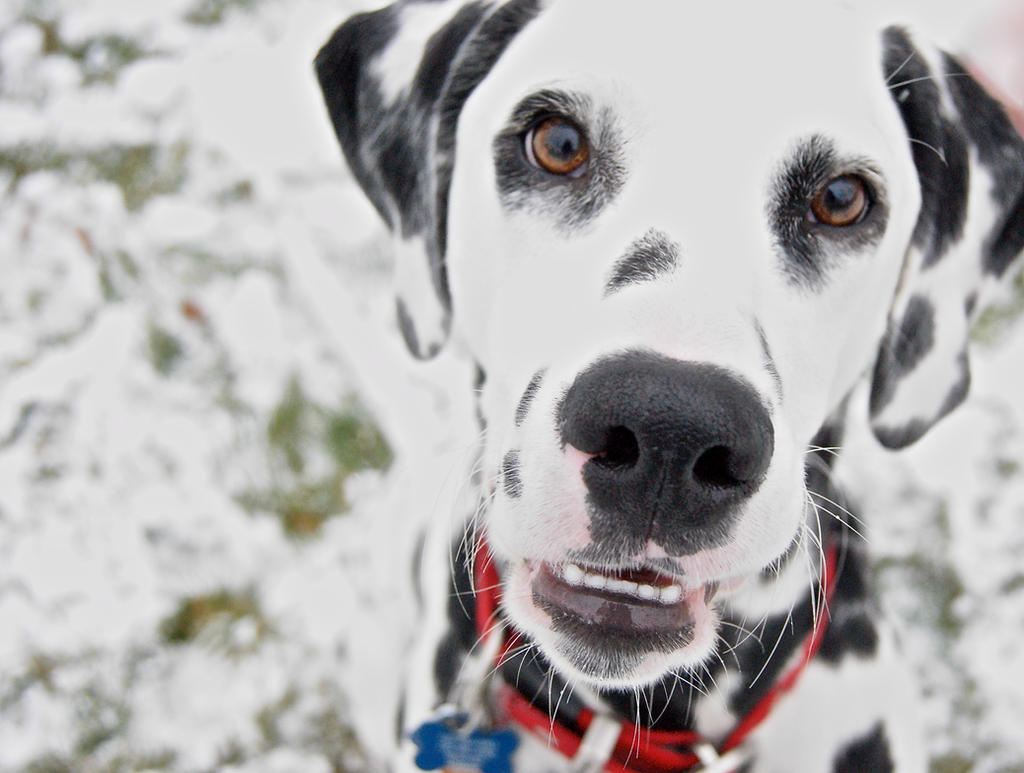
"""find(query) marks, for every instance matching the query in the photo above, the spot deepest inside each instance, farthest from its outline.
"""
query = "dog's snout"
(672, 445)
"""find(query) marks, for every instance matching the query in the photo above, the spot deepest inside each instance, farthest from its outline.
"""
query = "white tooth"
(595, 581)
(670, 594)
(572, 574)
(618, 586)
(630, 588)
(648, 592)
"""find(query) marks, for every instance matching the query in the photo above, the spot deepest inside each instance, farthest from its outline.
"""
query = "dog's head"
(674, 247)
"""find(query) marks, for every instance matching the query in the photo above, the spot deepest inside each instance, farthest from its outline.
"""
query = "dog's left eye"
(557, 146)
(842, 202)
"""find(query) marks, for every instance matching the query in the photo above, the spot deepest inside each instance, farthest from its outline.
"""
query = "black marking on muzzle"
(511, 475)
(769, 360)
(523, 409)
(646, 259)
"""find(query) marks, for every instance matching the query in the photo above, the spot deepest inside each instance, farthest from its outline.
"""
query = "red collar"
(637, 749)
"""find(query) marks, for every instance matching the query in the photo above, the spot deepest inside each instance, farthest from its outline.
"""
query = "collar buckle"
(597, 745)
(713, 762)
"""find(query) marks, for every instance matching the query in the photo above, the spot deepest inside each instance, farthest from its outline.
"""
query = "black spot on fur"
(389, 145)
(825, 446)
(971, 304)
(783, 633)
(461, 635)
(353, 100)
(1001, 151)
(511, 475)
(485, 48)
(809, 248)
(408, 330)
(870, 753)
(528, 395)
(915, 337)
(903, 348)
(479, 380)
(441, 50)
(852, 629)
(855, 635)
(646, 259)
(896, 437)
(1000, 148)
(939, 146)
(912, 431)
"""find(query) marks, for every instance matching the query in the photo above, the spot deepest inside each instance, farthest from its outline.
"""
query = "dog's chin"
(620, 628)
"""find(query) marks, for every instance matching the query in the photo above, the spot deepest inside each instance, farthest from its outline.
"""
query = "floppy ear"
(394, 82)
(970, 161)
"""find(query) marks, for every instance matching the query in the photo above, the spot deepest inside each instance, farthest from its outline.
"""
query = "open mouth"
(635, 602)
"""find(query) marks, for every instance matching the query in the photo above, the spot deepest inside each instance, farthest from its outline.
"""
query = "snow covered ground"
(197, 374)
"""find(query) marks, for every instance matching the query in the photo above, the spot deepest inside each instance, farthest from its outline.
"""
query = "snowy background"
(206, 420)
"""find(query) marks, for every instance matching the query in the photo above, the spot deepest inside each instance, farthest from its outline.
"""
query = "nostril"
(714, 467)
(620, 449)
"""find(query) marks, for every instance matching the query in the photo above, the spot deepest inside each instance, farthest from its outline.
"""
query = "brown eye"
(842, 202)
(557, 146)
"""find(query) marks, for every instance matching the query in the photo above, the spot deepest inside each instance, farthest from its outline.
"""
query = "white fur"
(707, 113)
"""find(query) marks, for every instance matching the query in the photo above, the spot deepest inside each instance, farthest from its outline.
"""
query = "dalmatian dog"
(674, 249)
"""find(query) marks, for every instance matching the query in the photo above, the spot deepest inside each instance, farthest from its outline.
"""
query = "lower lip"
(616, 611)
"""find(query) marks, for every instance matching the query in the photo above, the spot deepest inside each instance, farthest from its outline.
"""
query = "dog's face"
(673, 249)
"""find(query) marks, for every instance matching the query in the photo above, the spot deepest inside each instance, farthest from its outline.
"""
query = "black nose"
(675, 447)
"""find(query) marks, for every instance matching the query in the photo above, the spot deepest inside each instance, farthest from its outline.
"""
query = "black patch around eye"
(808, 247)
(511, 475)
(870, 753)
(646, 259)
(569, 201)
(939, 146)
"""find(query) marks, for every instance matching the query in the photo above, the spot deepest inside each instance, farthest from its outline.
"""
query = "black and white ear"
(970, 161)
(394, 82)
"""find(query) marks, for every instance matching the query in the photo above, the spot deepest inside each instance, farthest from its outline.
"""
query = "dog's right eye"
(557, 146)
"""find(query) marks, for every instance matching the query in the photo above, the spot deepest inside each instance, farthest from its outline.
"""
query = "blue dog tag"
(444, 743)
